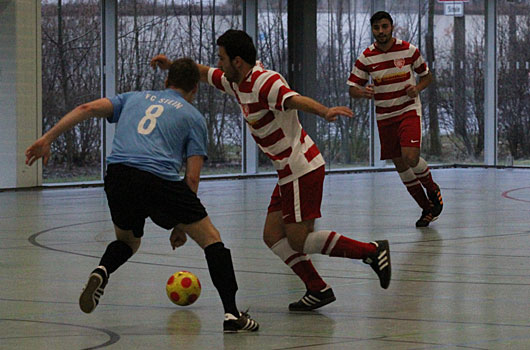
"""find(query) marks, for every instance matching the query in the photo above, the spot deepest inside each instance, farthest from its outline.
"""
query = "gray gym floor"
(462, 283)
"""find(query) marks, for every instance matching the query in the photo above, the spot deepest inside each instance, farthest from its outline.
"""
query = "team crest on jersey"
(245, 109)
(399, 62)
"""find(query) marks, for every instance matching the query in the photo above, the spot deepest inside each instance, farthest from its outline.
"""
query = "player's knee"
(134, 244)
(296, 244)
(411, 160)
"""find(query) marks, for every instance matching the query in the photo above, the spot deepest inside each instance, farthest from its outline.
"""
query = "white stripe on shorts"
(296, 201)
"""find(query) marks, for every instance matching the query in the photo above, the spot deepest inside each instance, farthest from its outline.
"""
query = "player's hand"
(160, 61)
(368, 92)
(39, 149)
(177, 238)
(411, 91)
(334, 112)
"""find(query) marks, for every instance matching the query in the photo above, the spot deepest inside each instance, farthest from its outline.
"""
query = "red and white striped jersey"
(391, 72)
(277, 131)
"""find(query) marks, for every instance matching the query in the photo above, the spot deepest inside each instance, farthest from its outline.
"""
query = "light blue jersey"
(156, 131)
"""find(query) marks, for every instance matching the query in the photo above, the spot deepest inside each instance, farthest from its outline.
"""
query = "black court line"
(33, 240)
(114, 337)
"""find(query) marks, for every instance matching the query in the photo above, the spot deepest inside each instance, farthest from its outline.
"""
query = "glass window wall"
(183, 29)
(71, 50)
(513, 84)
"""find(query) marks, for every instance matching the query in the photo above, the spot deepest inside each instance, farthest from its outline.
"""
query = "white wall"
(20, 90)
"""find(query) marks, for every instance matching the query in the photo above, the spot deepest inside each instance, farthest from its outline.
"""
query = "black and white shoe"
(426, 218)
(93, 290)
(380, 263)
(243, 323)
(313, 300)
(437, 202)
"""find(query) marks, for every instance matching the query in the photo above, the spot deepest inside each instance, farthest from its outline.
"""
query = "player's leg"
(127, 215)
(307, 196)
(331, 243)
(410, 142)
(175, 204)
(222, 273)
(275, 238)
(423, 173)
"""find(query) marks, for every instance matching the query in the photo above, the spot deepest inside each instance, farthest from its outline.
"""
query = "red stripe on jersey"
(284, 172)
(302, 136)
(266, 88)
(421, 68)
(382, 65)
(382, 110)
(281, 155)
(361, 66)
(355, 79)
(398, 78)
(281, 92)
(416, 55)
(311, 153)
(328, 242)
(260, 123)
(247, 86)
(270, 139)
(390, 95)
(256, 107)
(217, 79)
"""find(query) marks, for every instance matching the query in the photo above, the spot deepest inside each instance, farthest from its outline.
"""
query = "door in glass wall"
(71, 53)
(183, 29)
(513, 84)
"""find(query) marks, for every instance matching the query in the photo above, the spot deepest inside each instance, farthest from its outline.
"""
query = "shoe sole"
(321, 303)
(241, 331)
(87, 301)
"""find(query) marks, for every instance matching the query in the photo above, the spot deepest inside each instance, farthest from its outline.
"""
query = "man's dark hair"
(379, 16)
(238, 43)
(183, 74)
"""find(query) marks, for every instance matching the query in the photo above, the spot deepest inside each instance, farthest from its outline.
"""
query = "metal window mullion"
(490, 85)
(109, 49)
(249, 163)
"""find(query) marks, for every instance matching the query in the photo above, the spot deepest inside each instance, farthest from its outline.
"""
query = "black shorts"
(133, 195)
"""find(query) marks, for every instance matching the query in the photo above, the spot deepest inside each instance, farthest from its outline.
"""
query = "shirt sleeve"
(118, 102)
(198, 138)
(274, 91)
(359, 75)
(419, 65)
(217, 79)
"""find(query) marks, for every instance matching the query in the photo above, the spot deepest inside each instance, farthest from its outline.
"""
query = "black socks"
(117, 254)
(222, 273)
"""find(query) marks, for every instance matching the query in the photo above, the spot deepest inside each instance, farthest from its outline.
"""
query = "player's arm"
(100, 108)
(362, 92)
(162, 62)
(193, 172)
(424, 81)
(307, 104)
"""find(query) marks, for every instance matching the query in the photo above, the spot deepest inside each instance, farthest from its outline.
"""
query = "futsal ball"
(183, 288)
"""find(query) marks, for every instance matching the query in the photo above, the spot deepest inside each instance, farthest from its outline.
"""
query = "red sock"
(417, 192)
(350, 248)
(309, 275)
(300, 263)
(423, 173)
(333, 244)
